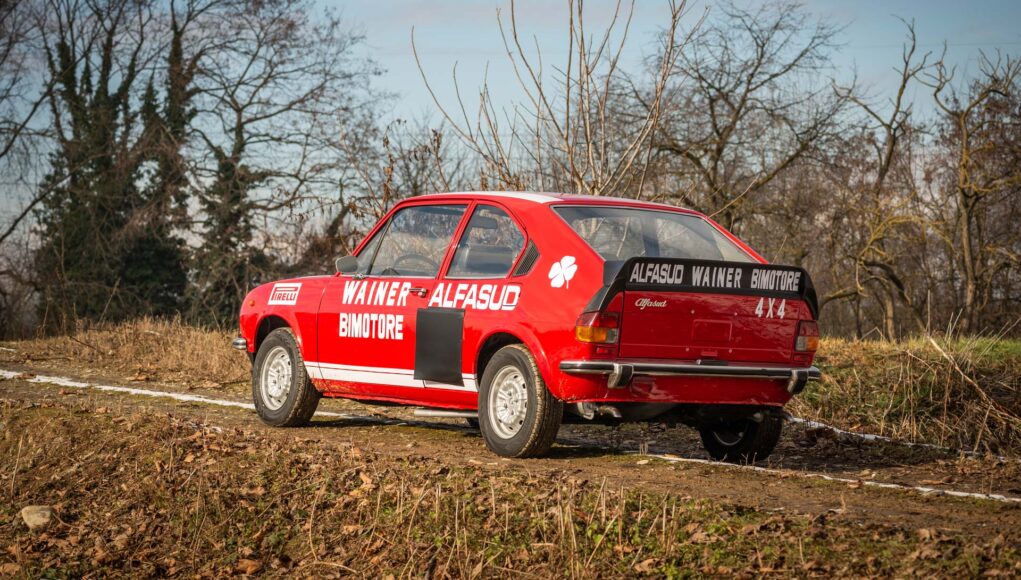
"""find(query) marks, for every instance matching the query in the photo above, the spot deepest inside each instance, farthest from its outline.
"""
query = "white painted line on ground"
(885, 439)
(71, 383)
(865, 436)
(812, 475)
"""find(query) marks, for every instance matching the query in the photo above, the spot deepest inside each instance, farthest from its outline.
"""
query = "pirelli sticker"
(724, 277)
(285, 293)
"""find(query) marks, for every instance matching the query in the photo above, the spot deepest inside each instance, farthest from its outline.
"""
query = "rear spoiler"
(706, 276)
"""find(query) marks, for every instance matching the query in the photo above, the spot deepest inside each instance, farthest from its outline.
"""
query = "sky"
(466, 34)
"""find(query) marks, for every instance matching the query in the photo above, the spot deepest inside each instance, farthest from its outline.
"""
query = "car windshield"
(413, 243)
(619, 233)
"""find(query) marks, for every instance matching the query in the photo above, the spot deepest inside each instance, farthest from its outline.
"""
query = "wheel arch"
(271, 322)
(489, 347)
(500, 338)
(267, 325)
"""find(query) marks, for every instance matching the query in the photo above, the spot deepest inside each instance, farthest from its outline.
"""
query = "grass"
(150, 349)
(963, 393)
(151, 494)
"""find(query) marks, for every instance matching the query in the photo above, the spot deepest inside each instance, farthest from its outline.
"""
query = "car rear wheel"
(742, 440)
(281, 389)
(518, 416)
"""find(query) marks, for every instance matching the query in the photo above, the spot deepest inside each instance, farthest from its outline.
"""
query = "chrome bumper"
(621, 373)
(239, 343)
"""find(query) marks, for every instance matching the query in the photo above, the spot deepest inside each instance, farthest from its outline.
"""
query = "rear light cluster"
(598, 327)
(808, 336)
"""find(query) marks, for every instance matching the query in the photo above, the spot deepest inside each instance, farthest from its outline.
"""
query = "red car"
(522, 311)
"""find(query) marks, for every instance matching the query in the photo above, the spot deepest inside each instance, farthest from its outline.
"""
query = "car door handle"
(420, 291)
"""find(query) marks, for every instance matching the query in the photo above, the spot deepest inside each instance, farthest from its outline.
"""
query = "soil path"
(606, 456)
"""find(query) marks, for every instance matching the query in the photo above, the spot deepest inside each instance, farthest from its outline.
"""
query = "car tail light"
(808, 336)
(601, 327)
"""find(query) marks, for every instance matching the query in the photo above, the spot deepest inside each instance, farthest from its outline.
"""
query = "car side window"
(488, 246)
(416, 240)
(369, 251)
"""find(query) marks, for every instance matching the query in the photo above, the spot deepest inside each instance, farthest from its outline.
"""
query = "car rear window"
(619, 233)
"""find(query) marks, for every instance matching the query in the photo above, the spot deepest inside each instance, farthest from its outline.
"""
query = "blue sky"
(465, 33)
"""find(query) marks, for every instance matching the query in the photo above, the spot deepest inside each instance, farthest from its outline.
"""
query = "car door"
(368, 322)
(479, 282)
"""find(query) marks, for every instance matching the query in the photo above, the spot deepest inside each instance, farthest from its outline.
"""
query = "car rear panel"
(710, 310)
(689, 326)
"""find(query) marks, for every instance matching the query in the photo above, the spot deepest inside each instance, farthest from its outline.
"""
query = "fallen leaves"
(942, 481)
(366, 479)
(248, 567)
(645, 566)
(254, 492)
(924, 553)
(266, 498)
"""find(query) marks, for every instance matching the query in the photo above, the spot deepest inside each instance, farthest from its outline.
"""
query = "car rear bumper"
(620, 373)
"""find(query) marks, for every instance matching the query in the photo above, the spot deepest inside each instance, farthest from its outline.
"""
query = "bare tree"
(565, 136)
(23, 96)
(281, 83)
(747, 100)
(875, 181)
(405, 159)
(981, 130)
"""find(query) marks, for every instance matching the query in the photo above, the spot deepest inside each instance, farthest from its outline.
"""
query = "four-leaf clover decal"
(561, 272)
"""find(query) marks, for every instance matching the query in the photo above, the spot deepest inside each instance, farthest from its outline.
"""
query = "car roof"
(545, 198)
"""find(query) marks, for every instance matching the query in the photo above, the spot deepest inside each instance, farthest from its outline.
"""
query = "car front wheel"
(281, 389)
(518, 416)
(742, 440)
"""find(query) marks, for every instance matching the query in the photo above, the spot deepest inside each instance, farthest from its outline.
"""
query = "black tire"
(295, 407)
(540, 421)
(742, 440)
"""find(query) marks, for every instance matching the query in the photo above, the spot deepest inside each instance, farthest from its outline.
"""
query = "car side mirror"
(347, 265)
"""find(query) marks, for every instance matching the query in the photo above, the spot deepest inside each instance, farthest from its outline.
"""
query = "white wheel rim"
(508, 402)
(729, 437)
(275, 379)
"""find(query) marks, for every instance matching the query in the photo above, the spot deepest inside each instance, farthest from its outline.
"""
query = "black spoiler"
(708, 276)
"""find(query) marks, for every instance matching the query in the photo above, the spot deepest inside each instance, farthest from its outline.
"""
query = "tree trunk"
(969, 318)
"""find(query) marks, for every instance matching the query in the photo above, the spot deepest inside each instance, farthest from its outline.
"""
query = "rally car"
(522, 311)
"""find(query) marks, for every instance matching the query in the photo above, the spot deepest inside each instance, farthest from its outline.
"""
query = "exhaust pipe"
(590, 410)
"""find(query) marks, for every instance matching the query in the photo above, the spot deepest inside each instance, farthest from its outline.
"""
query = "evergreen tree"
(108, 249)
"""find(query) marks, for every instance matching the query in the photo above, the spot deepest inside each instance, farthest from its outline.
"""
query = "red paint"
(672, 326)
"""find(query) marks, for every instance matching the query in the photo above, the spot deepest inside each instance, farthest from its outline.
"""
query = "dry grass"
(151, 495)
(959, 393)
(149, 349)
(962, 393)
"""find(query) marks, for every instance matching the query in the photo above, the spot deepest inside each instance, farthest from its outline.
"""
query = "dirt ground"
(609, 458)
